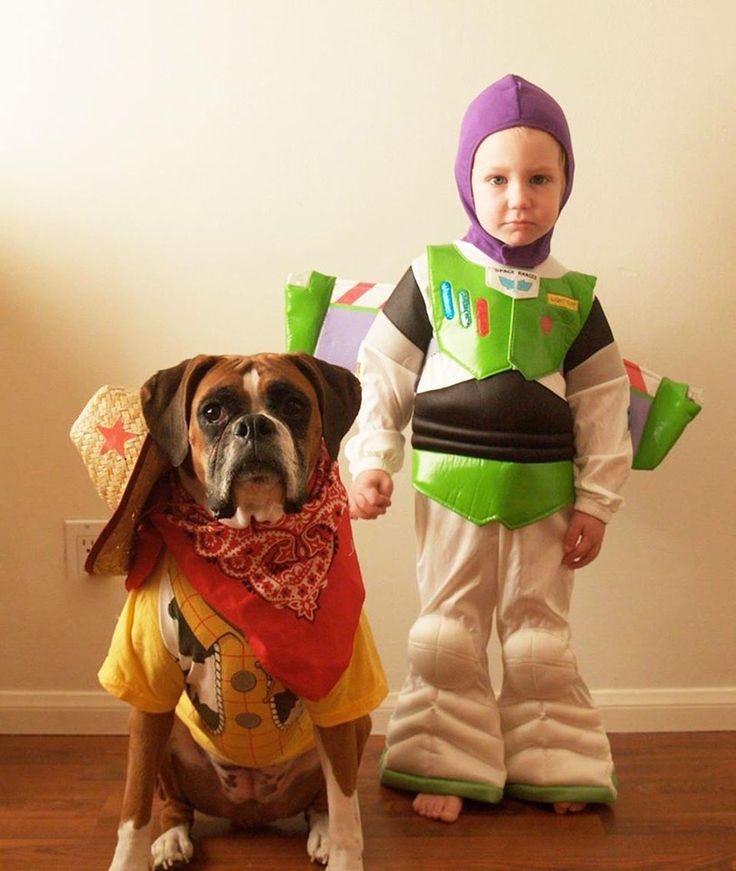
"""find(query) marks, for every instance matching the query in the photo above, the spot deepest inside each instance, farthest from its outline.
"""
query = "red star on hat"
(115, 437)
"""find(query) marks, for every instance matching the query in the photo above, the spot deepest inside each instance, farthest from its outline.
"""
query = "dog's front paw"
(131, 852)
(173, 848)
(344, 860)
(318, 842)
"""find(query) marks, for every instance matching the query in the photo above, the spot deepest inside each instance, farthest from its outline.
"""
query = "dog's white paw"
(318, 842)
(173, 848)
(131, 851)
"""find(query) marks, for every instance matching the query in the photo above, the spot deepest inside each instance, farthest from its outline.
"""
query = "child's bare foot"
(438, 807)
(569, 807)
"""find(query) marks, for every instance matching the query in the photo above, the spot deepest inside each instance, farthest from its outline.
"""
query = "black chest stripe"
(406, 310)
(595, 334)
(504, 417)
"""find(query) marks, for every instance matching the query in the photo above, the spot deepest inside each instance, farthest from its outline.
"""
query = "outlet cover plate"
(79, 536)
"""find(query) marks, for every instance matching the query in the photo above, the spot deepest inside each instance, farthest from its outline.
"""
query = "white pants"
(544, 734)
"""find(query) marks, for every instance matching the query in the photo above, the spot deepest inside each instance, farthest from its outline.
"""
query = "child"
(521, 446)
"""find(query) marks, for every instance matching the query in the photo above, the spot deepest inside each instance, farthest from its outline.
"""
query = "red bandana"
(284, 562)
(292, 587)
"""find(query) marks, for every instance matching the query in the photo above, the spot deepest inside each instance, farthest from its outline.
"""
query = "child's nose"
(518, 195)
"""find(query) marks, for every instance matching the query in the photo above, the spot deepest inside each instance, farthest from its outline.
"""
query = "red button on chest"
(482, 317)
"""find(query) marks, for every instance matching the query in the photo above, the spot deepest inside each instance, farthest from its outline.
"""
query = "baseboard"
(62, 713)
(685, 709)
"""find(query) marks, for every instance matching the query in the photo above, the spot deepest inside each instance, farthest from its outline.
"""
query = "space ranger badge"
(516, 283)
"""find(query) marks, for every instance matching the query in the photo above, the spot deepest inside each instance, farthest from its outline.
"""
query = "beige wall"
(164, 165)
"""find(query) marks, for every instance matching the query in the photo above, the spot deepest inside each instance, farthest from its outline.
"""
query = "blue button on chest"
(448, 304)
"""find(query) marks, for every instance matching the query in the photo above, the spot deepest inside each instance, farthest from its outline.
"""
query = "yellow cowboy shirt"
(171, 650)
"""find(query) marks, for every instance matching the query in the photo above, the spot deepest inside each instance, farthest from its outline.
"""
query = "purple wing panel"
(342, 332)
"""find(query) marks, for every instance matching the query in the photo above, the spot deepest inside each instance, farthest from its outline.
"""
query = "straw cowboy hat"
(124, 463)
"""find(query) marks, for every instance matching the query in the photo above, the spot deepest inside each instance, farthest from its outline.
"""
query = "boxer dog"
(244, 435)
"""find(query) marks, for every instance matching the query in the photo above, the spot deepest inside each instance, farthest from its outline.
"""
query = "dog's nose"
(253, 426)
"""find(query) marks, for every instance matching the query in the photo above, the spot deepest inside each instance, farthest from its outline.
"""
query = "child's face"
(518, 179)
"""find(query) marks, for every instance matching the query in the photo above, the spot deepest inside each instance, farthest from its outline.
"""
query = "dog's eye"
(212, 412)
(293, 407)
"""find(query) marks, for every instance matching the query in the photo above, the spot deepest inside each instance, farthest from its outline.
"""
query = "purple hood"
(509, 102)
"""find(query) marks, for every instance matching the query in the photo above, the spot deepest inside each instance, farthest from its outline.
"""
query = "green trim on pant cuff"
(550, 794)
(486, 792)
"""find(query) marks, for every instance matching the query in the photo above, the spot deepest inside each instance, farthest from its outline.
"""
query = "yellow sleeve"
(361, 688)
(138, 668)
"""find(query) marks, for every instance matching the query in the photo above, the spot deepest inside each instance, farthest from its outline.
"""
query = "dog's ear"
(166, 398)
(338, 394)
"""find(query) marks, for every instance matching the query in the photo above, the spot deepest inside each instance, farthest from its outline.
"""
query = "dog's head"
(248, 430)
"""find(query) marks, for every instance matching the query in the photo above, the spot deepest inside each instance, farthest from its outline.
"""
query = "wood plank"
(60, 797)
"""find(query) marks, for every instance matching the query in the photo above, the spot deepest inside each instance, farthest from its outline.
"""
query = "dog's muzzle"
(250, 450)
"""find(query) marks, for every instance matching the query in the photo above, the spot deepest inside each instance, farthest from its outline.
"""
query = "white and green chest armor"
(492, 320)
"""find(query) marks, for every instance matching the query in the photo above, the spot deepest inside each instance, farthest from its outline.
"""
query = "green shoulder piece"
(671, 411)
(306, 307)
(545, 327)
(581, 286)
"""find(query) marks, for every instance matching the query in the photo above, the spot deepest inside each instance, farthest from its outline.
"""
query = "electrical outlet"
(79, 536)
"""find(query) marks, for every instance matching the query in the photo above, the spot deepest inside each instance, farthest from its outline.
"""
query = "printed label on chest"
(516, 283)
(563, 302)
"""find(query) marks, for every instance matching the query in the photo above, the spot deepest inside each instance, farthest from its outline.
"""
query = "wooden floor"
(60, 796)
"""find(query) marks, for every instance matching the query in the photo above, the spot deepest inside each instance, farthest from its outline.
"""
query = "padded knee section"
(538, 664)
(443, 652)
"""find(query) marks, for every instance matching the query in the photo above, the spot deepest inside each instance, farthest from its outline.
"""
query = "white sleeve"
(389, 365)
(598, 395)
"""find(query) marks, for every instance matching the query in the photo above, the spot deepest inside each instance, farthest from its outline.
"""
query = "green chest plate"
(491, 320)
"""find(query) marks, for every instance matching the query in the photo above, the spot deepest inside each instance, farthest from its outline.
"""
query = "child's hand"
(583, 540)
(370, 495)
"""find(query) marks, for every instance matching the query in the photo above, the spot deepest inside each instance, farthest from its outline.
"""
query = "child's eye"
(539, 179)
(497, 179)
